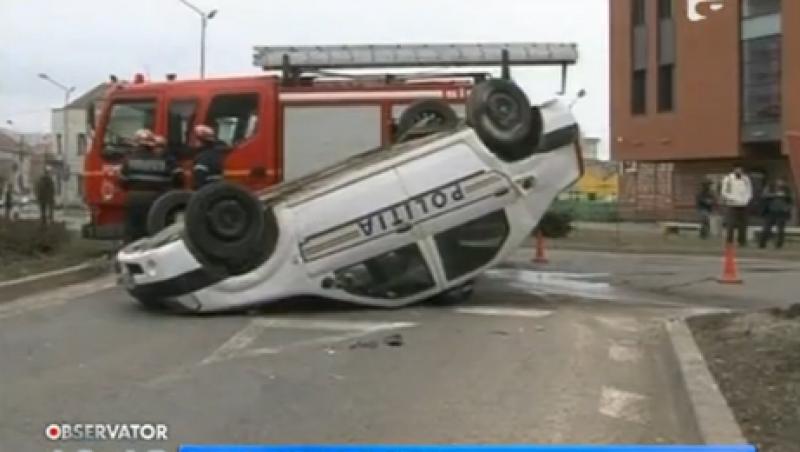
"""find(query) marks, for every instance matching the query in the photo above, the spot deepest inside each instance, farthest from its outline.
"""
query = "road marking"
(624, 353)
(54, 298)
(240, 344)
(624, 405)
(505, 312)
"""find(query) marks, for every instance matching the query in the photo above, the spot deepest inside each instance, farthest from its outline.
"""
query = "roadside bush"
(555, 224)
(29, 237)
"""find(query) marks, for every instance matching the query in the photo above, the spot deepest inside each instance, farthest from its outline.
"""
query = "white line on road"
(624, 353)
(624, 405)
(54, 298)
(240, 344)
(506, 312)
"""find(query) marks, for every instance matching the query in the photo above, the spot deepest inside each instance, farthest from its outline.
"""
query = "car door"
(360, 236)
(450, 187)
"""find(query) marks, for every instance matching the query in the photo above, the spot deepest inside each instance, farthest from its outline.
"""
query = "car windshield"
(124, 120)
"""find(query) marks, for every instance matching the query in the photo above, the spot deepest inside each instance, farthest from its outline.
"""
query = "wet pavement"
(535, 356)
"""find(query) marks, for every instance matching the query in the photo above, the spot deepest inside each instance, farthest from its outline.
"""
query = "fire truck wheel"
(432, 115)
(227, 226)
(166, 209)
(500, 113)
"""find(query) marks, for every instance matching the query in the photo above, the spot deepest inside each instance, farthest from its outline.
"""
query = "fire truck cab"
(286, 125)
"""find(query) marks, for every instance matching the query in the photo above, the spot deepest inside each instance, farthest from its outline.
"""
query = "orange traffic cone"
(729, 272)
(540, 257)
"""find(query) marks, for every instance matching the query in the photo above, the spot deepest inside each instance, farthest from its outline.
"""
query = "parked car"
(389, 227)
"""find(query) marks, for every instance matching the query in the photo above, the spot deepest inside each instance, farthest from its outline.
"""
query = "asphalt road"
(531, 358)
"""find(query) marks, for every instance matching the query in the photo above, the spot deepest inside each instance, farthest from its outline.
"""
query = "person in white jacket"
(737, 191)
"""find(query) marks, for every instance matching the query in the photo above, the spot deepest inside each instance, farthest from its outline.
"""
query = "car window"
(125, 119)
(234, 117)
(397, 274)
(468, 247)
(181, 116)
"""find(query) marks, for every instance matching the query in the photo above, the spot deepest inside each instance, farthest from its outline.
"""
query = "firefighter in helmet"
(209, 165)
(145, 174)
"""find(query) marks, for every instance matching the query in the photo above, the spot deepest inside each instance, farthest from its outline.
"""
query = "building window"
(752, 8)
(761, 80)
(664, 9)
(639, 92)
(59, 144)
(81, 140)
(666, 87)
(638, 15)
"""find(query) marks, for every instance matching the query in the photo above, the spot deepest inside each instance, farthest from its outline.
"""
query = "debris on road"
(364, 344)
(755, 358)
(394, 340)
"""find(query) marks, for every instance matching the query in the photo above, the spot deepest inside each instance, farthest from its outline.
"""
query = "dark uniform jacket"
(145, 171)
(209, 165)
(45, 190)
(778, 203)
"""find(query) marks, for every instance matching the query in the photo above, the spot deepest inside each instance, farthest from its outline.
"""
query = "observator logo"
(106, 432)
(693, 12)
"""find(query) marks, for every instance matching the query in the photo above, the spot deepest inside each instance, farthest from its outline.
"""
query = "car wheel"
(226, 225)
(501, 114)
(428, 115)
(166, 210)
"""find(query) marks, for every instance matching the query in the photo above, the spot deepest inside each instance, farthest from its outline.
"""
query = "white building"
(72, 149)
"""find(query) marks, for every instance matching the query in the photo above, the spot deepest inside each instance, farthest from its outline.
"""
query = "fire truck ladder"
(294, 61)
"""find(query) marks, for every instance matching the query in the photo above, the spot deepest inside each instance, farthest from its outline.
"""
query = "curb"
(40, 282)
(707, 408)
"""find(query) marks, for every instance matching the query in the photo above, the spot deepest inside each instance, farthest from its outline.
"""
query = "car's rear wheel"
(166, 210)
(424, 117)
(501, 114)
(226, 225)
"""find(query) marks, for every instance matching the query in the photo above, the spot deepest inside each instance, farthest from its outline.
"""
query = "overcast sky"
(80, 42)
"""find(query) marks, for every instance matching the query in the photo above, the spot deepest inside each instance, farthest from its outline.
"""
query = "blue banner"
(456, 448)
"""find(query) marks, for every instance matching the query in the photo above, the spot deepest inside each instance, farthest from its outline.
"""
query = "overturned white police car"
(388, 227)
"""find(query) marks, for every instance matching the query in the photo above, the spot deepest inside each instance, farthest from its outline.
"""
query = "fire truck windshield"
(124, 120)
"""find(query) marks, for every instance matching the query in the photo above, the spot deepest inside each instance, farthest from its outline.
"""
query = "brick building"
(695, 92)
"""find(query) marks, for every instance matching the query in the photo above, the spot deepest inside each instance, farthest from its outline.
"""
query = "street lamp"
(204, 18)
(65, 140)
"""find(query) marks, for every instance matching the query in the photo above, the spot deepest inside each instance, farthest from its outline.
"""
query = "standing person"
(705, 206)
(209, 165)
(777, 210)
(46, 196)
(160, 147)
(737, 191)
(9, 199)
(146, 174)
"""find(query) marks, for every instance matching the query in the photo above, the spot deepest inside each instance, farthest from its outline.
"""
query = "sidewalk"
(649, 238)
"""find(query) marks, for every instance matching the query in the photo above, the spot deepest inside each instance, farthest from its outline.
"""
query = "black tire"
(501, 114)
(165, 209)
(226, 225)
(439, 113)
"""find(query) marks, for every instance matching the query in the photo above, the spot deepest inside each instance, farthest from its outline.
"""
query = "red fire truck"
(290, 123)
